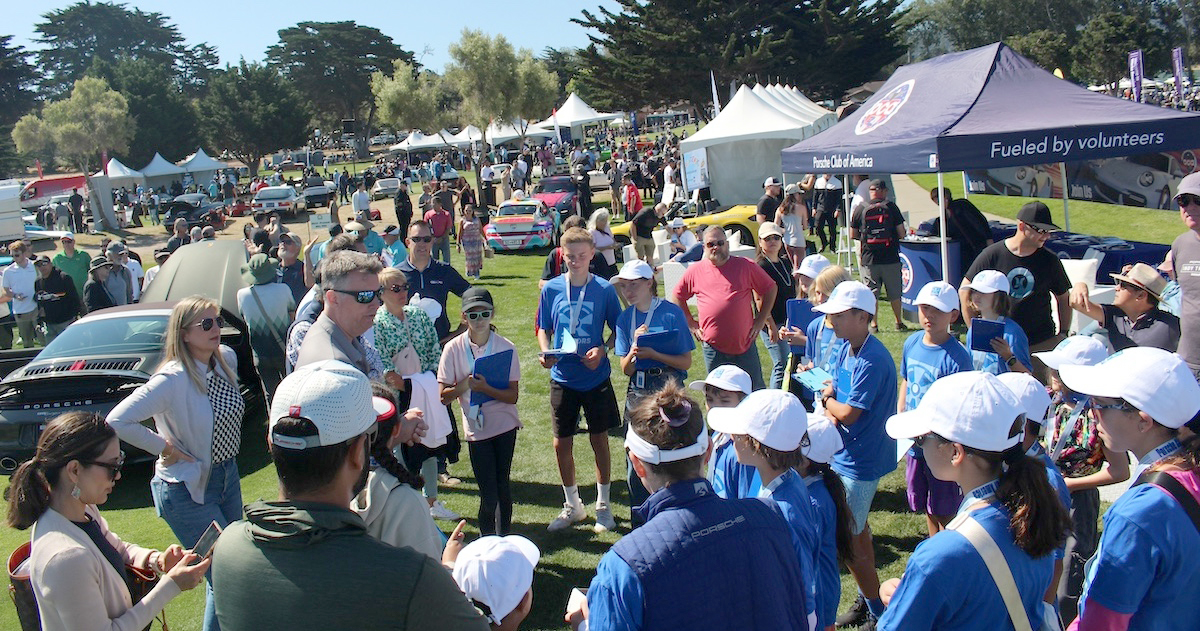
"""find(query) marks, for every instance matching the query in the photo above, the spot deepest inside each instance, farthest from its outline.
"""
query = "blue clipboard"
(495, 370)
(661, 341)
(799, 314)
(983, 332)
(814, 379)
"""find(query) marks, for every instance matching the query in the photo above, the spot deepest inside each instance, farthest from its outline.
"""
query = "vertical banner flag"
(554, 118)
(104, 160)
(717, 101)
(1135, 74)
(1177, 67)
(38, 162)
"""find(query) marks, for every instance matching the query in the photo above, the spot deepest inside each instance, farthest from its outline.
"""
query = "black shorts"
(599, 407)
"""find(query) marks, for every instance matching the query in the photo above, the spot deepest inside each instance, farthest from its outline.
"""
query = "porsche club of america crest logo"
(884, 109)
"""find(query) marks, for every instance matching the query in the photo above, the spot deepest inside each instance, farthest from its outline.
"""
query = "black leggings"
(491, 460)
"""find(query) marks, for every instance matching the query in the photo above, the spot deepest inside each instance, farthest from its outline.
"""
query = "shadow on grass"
(888, 548)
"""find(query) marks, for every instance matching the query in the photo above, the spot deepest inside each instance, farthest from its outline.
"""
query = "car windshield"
(315, 181)
(137, 334)
(517, 210)
(280, 193)
(554, 185)
(388, 183)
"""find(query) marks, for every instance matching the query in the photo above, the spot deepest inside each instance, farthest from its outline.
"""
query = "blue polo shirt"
(828, 568)
(987, 361)
(597, 308)
(791, 494)
(438, 280)
(664, 316)
(922, 364)
(1146, 564)
(946, 584)
(374, 242)
(731, 479)
(870, 377)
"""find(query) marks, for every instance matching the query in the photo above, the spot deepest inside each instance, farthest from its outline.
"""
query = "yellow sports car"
(740, 218)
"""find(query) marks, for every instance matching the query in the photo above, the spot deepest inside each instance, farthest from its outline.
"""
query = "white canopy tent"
(783, 105)
(160, 172)
(466, 137)
(201, 166)
(440, 140)
(120, 175)
(743, 143)
(574, 113)
(797, 97)
(499, 133)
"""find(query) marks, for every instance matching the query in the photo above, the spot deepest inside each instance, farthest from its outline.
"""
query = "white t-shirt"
(150, 274)
(135, 271)
(360, 201)
(668, 175)
(19, 280)
(487, 173)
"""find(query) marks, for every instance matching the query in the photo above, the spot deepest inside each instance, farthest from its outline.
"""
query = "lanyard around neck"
(576, 311)
(633, 325)
(978, 494)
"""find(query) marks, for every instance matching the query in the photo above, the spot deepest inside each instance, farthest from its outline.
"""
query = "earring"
(75, 492)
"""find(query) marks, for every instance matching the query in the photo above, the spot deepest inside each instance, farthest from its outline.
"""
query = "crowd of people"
(748, 495)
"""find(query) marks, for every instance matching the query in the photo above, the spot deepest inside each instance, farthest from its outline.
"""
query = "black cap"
(1037, 214)
(42, 259)
(477, 297)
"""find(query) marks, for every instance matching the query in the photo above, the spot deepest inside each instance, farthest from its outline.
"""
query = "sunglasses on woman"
(1188, 199)
(772, 237)
(113, 467)
(364, 297)
(207, 323)
(479, 315)
(396, 289)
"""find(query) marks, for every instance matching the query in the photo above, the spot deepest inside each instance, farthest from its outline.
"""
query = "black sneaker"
(856, 616)
(869, 625)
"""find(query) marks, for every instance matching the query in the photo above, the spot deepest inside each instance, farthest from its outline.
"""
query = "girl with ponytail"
(77, 463)
(834, 520)
(970, 425)
(391, 504)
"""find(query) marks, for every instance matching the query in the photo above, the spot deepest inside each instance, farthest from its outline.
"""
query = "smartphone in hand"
(204, 545)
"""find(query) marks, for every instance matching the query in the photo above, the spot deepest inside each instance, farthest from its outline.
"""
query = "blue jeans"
(779, 355)
(747, 361)
(441, 248)
(188, 520)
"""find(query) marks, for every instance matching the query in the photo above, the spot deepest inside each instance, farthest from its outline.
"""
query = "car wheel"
(744, 234)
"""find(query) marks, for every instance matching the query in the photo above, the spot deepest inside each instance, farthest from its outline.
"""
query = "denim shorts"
(859, 494)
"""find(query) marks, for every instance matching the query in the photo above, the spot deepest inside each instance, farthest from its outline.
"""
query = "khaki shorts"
(644, 248)
(884, 277)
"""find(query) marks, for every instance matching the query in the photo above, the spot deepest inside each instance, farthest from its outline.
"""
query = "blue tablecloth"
(1117, 252)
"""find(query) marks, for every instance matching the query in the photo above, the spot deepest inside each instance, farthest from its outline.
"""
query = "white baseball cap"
(849, 294)
(824, 440)
(726, 377)
(1152, 380)
(1034, 398)
(772, 181)
(769, 227)
(812, 265)
(775, 418)
(634, 270)
(940, 295)
(1077, 350)
(678, 223)
(333, 395)
(989, 281)
(497, 572)
(970, 408)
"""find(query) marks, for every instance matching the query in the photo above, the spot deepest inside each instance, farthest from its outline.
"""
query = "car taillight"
(256, 205)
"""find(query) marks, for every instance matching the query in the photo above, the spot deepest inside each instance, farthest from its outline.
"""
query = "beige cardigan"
(77, 588)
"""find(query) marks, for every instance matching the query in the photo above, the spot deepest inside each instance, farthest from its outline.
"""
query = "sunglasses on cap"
(1187, 199)
(113, 467)
(364, 297)
(428, 239)
(479, 315)
(207, 323)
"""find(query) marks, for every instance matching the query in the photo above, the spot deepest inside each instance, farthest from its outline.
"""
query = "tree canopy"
(165, 118)
(409, 99)
(94, 118)
(497, 82)
(252, 110)
(17, 96)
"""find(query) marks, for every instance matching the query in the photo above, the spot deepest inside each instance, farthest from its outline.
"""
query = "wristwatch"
(1010, 361)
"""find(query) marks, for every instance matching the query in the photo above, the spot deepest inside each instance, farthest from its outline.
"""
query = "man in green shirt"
(72, 262)
(306, 561)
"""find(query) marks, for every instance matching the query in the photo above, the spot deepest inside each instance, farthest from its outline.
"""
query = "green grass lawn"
(569, 558)
(1102, 220)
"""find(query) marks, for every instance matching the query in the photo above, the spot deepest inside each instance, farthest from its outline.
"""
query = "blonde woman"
(197, 409)
(606, 245)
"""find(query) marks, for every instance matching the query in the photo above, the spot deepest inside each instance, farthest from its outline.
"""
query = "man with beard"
(306, 561)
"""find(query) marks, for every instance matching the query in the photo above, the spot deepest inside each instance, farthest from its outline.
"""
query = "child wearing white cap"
(820, 343)
(970, 426)
(807, 271)
(988, 295)
(496, 574)
(834, 521)
(1143, 575)
(929, 355)
(769, 428)
(860, 399)
(1076, 448)
(725, 387)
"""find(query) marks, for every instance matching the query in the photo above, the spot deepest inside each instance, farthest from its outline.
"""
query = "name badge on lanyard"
(576, 312)
(978, 494)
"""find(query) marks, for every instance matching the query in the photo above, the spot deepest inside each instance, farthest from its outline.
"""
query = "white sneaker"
(604, 520)
(439, 511)
(570, 515)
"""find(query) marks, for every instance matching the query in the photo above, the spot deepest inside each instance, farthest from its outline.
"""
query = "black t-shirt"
(876, 225)
(966, 225)
(645, 221)
(1032, 280)
(781, 272)
(92, 528)
(767, 206)
(175, 242)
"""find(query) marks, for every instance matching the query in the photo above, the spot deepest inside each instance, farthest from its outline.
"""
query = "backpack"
(878, 233)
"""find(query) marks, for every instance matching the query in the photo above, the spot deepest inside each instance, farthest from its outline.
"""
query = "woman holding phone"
(77, 565)
(197, 409)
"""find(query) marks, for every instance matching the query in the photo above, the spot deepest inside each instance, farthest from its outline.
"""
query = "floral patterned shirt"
(392, 335)
(1082, 454)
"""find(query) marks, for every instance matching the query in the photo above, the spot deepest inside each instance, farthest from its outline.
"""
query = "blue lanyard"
(487, 350)
(1166, 449)
(574, 311)
(980, 493)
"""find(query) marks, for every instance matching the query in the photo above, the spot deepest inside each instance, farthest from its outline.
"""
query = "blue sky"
(246, 28)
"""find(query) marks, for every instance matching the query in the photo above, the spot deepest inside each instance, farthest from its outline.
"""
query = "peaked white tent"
(796, 97)
(439, 140)
(161, 173)
(743, 140)
(575, 113)
(466, 137)
(120, 175)
(201, 166)
(499, 133)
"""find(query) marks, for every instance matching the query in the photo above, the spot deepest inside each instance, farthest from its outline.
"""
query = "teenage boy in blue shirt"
(929, 355)
(859, 401)
(581, 303)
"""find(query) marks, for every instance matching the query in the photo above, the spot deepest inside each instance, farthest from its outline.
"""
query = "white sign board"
(695, 169)
(319, 221)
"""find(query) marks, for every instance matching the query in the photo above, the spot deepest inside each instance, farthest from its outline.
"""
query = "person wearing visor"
(306, 560)
(646, 580)
(1143, 575)
(970, 426)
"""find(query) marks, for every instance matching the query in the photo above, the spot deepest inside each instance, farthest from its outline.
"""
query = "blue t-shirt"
(374, 243)
(791, 494)
(598, 307)
(828, 569)
(823, 345)
(870, 453)
(397, 251)
(731, 479)
(946, 584)
(990, 362)
(1145, 564)
(664, 316)
(922, 364)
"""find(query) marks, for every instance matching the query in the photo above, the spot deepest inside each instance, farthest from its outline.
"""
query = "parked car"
(385, 188)
(317, 192)
(195, 199)
(449, 174)
(281, 199)
(560, 166)
(559, 193)
(738, 219)
(520, 225)
(205, 214)
(103, 357)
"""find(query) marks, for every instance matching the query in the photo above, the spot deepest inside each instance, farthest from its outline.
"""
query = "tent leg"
(1066, 195)
(945, 248)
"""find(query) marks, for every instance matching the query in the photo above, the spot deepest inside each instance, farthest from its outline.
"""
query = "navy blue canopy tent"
(986, 108)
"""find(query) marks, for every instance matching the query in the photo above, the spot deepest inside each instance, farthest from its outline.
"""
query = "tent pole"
(1062, 173)
(945, 248)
